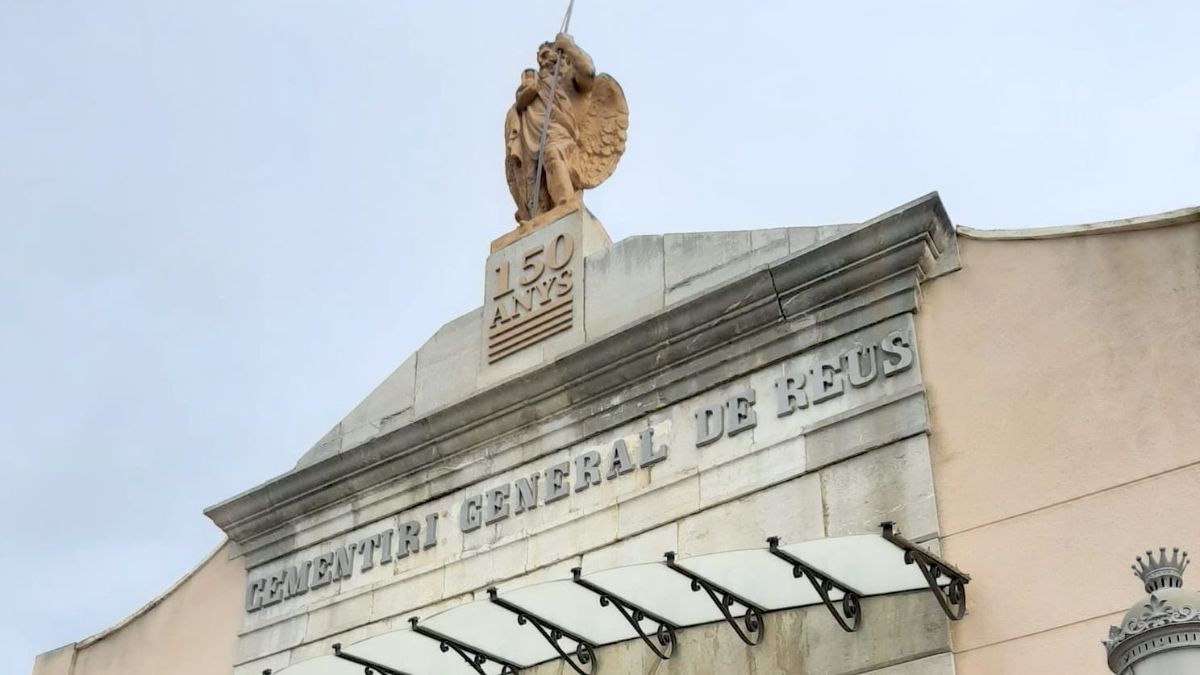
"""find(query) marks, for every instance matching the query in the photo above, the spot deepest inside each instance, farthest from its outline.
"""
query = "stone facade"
(1000, 444)
(717, 316)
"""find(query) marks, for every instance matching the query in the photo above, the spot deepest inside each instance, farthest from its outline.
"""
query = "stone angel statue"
(585, 136)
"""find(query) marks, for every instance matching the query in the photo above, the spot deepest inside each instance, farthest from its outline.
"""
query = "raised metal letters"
(827, 378)
(295, 580)
(739, 413)
(589, 471)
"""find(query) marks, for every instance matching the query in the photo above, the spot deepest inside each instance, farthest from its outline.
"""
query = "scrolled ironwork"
(472, 656)
(953, 600)
(581, 658)
(662, 641)
(726, 600)
(369, 667)
(851, 608)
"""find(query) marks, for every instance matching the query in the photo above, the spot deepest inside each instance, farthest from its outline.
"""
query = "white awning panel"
(421, 655)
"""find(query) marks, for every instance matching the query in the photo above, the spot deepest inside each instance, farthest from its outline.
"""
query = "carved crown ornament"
(1168, 618)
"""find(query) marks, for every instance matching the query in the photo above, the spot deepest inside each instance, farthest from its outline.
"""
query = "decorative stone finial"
(1161, 573)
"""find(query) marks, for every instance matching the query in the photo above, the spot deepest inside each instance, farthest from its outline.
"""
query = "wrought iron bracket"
(725, 600)
(953, 599)
(822, 583)
(582, 658)
(663, 642)
(474, 657)
(369, 667)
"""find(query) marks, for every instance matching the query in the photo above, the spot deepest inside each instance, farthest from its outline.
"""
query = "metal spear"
(549, 105)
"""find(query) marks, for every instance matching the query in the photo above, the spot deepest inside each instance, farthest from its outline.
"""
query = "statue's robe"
(526, 128)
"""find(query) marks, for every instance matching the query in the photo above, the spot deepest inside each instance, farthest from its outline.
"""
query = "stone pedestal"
(533, 294)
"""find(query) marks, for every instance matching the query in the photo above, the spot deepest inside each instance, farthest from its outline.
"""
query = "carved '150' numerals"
(534, 264)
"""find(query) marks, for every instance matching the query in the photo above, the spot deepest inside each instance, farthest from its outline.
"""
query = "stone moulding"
(891, 253)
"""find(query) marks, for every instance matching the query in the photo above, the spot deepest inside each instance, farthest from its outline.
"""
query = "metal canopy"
(568, 619)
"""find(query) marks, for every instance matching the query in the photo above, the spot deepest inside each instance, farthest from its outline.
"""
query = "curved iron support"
(663, 644)
(474, 657)
(369, 667)
(953, 599)
(582, 658)
(822, 583)
(724, 599)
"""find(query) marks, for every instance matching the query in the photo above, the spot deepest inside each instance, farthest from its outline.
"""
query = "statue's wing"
(602, 132)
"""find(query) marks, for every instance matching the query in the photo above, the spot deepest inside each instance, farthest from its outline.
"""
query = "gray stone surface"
(624, 284)
(701, 261)
(893, 483)
(448, 364)
(887, 421)
(388, 407)
(940, 664)
(694, 259)
(801, 238)
(272, 639)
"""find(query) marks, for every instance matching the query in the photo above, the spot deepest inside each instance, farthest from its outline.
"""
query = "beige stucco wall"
(191, 630)
(1062, 379)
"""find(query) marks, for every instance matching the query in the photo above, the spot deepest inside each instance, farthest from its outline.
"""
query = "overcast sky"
(223, 222)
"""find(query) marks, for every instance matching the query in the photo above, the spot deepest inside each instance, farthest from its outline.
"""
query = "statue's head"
(546, 55)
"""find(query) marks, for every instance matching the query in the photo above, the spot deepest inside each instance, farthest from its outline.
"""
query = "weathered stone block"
(389, 405)
(448, 364)
(891, 483)
(701, 261)
(624, 284)
(272, 639)
(791, 511)
(580, 534)
(487, 567)
(895, 629)
(641, 548)
(408, 594)
(663, 505)
(695, 254)
(324, 646)
(878, 424)
(801, 238)
(273, 662)
(941, 664)
(338, 617)
(753, 471)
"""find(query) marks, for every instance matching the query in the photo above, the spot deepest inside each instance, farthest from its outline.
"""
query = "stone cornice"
(914, 241)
